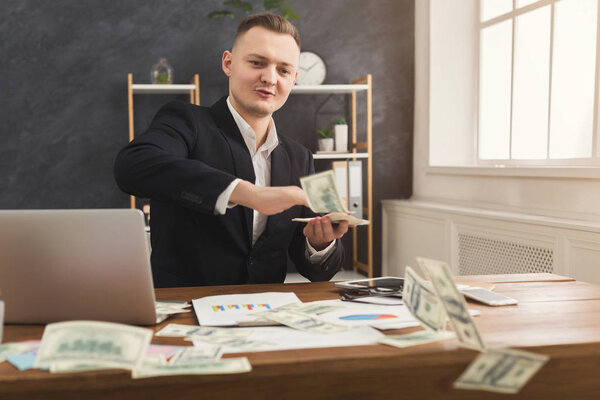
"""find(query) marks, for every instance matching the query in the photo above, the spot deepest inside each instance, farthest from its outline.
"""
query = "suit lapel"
(280, 176)
(280, 167)
(239, 151)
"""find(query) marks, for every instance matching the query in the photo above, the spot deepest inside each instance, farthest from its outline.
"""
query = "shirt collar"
(250, 136)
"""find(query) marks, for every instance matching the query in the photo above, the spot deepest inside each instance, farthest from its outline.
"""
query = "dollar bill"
(12, 348)
(301, 321)
(422, 302)
(501, 370)
(454, 303)
(191, 355)
(322, 193)
(239, 343)
(314, 307)
(416, 338)
(92, 343)
(154, 359)
(204, 367)
(180, 330)
(172, 304)
(169, 308)
(76, 366)
(335, 217)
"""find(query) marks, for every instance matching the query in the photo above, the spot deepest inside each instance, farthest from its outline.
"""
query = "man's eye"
(256, 63)
(284, 71)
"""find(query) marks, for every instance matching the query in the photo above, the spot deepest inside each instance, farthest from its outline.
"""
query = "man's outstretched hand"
(268, 200)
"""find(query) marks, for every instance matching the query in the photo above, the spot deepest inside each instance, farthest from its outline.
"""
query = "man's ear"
(226, 62)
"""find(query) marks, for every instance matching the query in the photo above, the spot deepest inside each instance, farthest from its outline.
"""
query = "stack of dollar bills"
(323, 197)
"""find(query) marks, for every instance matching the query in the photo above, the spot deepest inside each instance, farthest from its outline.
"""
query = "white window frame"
(594, 160)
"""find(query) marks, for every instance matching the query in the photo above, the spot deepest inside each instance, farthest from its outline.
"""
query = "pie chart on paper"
(367, 317)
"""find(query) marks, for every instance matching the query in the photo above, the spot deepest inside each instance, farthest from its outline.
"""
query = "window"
(537, 95)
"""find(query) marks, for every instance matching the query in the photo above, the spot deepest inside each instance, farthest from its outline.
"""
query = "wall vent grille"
(479, 255)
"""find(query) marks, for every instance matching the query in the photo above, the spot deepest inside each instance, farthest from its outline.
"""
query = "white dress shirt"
(261, 161)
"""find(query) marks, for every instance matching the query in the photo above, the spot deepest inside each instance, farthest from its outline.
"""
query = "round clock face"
(311, 69)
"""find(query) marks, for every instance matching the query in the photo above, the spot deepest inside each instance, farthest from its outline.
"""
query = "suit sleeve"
(158, 163)
(325, 270)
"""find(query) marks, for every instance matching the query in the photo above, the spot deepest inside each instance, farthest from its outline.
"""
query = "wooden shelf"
(363, 84)
(149, 88)
(327, 89)
(192, 89)
(339, 156)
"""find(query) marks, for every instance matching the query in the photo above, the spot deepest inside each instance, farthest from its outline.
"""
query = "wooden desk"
(556, 316)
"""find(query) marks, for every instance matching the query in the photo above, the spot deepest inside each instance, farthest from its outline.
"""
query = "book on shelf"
(355, 188)
(340, 170)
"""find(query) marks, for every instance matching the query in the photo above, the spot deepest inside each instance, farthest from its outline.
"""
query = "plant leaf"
(221, 14)
(287, 12)
(271, 4)
(239, 5)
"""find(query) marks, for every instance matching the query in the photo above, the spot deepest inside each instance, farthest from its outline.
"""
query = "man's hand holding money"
(320, 232)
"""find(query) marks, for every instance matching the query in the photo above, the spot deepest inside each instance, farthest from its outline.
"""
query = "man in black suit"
(214, 175)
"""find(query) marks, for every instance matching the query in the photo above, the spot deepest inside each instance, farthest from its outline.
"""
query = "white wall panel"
(480, 241)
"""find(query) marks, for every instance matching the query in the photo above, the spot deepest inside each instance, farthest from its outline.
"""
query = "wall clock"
(311, 69)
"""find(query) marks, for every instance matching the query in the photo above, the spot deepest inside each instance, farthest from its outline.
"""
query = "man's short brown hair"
(273, 22)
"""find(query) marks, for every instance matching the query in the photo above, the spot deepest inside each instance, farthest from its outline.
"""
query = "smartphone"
(383, 284)
(488, 297)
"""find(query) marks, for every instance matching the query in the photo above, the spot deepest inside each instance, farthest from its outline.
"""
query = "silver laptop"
(58, 265)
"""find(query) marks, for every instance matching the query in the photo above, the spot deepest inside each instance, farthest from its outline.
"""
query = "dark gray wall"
(63, 75)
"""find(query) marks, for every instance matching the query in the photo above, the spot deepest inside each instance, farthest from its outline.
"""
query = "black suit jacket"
(183, 162)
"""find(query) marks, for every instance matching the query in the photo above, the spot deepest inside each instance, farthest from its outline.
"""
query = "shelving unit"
(193, 89)
(362, 84)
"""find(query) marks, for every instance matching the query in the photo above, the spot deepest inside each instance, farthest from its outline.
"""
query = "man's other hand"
(320, 232)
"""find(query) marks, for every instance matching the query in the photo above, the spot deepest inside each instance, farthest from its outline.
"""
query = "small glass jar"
(162, 72)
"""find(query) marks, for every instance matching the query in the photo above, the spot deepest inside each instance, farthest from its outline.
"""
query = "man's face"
(262, 70)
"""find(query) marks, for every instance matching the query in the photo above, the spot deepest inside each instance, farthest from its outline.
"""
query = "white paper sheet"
(380, 300)
(358, 314)
(284, 338)
(377, 316)
(229, 309)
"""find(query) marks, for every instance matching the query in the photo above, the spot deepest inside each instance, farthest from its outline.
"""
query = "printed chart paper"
(230, 309)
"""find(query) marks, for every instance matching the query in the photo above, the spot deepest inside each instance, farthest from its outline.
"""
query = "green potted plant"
(325, 140)
(341, 134)
(246, 6)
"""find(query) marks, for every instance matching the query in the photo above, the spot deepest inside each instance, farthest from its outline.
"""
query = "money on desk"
(241, 344)
(172, 307)
(201, 367)
(180, 330)
(501, 370)
(78, 345)
(313, 307)
(191, 355)
(323, 197)
(301, 321)
(422, 302)
(454, 303)
(416, 338)
(13, 348)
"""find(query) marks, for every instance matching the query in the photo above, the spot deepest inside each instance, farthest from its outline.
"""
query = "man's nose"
(269, 75)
